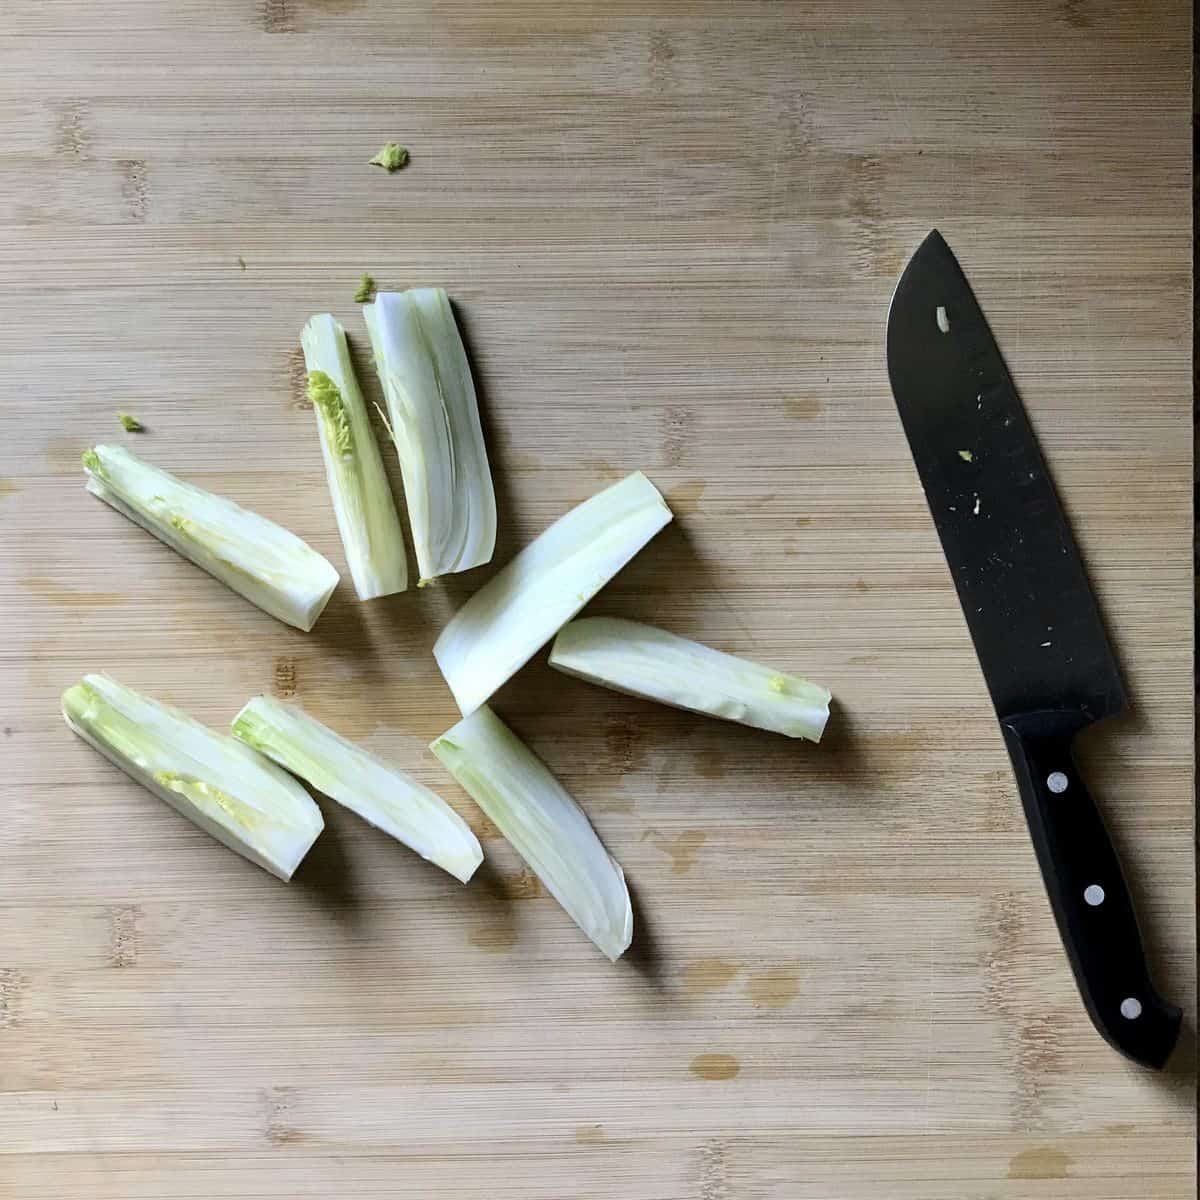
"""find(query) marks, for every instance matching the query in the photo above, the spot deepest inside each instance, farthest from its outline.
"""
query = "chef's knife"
(1035, 624)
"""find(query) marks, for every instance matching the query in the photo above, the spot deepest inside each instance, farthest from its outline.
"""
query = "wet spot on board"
(70, 130)
(279, 1126)
(124, 935)
(134, 189)
(682, 849)
(277, 16)
(613, 804)
(524, 885)
(53, 592)
(484, 828)
(1120, 1129)
(708, 974)
(1039, 1162)
(802, 410)
(598, 466)
(802, 521)
(8, 487)
(791, 547)
(864, 660)
(861, 585)
(623, 740)
(590, 1135)
(710, 764)
(773, 988)
(12, 995)
(297, 374)
(283, 682)
(684, 499)
(714, 1066)
(497, 938)
(674, 435)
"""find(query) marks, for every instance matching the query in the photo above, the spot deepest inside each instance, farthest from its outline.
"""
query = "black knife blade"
(1033, 619)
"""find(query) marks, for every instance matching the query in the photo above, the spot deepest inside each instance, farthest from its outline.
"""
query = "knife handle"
(1087, 889)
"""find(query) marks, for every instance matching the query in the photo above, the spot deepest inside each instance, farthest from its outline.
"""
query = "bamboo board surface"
(671, 231)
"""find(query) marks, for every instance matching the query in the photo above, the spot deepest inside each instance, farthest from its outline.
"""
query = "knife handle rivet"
(1093, 894)
(1057, 782)
(1131, 1008)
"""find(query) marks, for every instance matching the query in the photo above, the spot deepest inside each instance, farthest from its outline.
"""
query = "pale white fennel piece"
(640, 660)
(544, 824)
(229, 790)
(380, 793)
(255, 557)
(362, 499)
(519, 609)
(435, 424)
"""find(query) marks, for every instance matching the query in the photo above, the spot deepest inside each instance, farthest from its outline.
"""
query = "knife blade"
(1034, 621)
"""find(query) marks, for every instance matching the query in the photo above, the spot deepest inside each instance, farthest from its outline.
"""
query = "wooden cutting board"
(672, 231)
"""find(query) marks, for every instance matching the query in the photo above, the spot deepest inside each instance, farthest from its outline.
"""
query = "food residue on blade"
(966, 456)
(975, 510)
(943, 321)
(1045, 644)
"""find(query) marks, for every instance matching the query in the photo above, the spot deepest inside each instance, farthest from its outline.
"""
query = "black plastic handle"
(1087, 889)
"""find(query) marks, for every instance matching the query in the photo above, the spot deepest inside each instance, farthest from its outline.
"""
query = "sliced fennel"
(435, 425)
(545, 825)
(229, 790)
(380, 793)
(643, 661)
(362, 499)
(500, 628)
(255, 557)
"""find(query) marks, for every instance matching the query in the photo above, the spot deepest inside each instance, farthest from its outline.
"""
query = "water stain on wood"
(279, 1128)
(703, 975)
(714, 1066)
(1039, 1162)
(682, 850)
(277, 16)
(804, 409)
(283, 681)
(497, 938)
(124, 935)
(623, 741)
(861, 585)
(8, 487)
(714, 1170)
(70, 130)
(773, 988)
(297, 374)
(684, 499)
(590, 1135)
(12, 995)
(524, 885)
(710, 764)
(613, 804)
(134, 189)
(674, 434)
(53, 592)
(802, 521)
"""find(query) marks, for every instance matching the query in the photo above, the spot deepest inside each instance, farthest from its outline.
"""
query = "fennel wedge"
(255, 557)
(544, 824)
(380, 793)
(519, 609)
(640, 660)
(435, 424)
(362, 499)
(224, 787)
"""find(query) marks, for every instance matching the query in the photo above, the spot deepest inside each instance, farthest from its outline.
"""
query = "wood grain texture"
(672, 231)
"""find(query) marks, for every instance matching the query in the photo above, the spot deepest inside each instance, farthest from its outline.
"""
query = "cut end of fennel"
(358, 486)
(641, 660)
(254, 557)
(379, 792)
(434, 422)
(546, 827)
(228, 790)
(503, 624)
